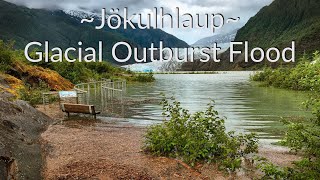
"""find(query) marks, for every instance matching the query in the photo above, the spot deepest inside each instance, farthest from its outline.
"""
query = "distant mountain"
(63, 29)
(224, 38)
(276, 25)
(81, 14)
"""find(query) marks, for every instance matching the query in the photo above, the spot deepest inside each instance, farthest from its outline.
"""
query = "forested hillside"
(276, 25)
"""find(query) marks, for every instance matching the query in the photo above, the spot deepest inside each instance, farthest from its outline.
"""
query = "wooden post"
(102, 96)
(88, 93)
(112, 89)
(95, 90)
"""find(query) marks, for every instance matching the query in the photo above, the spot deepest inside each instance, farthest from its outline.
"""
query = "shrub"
(33, 95)
(143, 77)
(305, 76)
(304, 137)
(6, 56)
(270, 170)
(198, 137)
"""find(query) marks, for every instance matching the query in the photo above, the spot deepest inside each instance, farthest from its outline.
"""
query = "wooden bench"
(79, 108)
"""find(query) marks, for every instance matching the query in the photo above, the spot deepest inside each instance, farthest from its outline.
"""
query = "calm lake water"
(246, 106)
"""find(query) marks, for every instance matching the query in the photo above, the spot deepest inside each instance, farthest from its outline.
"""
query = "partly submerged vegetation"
(199, 137)
(305, 76)
(302, 135)
(144, 77)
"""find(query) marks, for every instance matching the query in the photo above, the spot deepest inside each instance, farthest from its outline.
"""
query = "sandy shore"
(108, 152)
(87, 149)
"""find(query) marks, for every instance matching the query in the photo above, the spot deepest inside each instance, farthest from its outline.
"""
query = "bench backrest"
(78, 108)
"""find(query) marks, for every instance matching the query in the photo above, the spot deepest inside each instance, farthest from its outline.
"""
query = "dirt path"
(107, 152)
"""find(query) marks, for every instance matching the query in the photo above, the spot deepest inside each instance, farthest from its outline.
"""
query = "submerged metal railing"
(99, 93)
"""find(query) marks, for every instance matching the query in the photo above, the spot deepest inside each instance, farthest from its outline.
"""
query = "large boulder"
(20, 129)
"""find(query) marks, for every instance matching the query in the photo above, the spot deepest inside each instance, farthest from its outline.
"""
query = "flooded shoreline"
(84, 148)
(111, 146)
(246, 106)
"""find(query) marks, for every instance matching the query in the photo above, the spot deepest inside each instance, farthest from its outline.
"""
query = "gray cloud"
(80, 4)
(229, 8)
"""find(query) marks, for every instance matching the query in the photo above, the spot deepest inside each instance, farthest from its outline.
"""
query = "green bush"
(33, 95)
(75, 72)
(305, 76)
(198, 137)
(271, 171)
(304, 137)
(6, 56)
(78, 72)
(143, 77)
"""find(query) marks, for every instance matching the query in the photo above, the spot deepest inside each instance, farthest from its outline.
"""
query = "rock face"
(20, 128)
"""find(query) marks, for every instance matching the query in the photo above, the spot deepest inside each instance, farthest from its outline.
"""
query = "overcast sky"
(229, 8)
